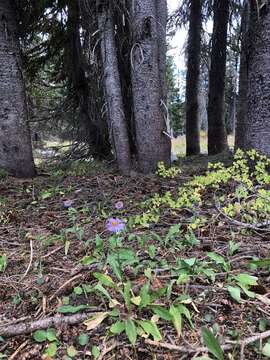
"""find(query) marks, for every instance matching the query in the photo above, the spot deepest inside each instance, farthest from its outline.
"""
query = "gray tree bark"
(241, 120)
(15, 143)
(147, 76)
(256, 124)
(116, 114)
(217, 136)
(193, 79)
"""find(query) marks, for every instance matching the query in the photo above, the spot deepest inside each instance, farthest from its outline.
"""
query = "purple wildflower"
(119, 205)
(115, 225)
(68, 203)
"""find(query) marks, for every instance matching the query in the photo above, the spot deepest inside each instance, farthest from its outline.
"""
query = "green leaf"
(162, 313)
(95, 352)
(260, 263)
(184, 310)
(114, 264)
(71, 351)
(266, 350)
(131, 331)
(83, 339)
(51, 335)
(150, 328)
(176, 319)
(88, 260)
(152, 251)
(235, 293)
(104, 279)
(78, 290)
(212, 343)
(145, 296)
(127, 296)
(219, 260)
(103, 291)
(51, 350)
(248, 293)
(246, 279)
(117, 328)
(40, 335)
(69, 309)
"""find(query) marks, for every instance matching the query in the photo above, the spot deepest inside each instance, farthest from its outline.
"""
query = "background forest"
(134, 190)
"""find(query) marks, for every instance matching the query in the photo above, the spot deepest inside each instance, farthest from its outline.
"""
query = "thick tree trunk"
(193, 79)
(91, 129)
(161, 15)
(217, 136)
(15, 143)
(153, 145)
(241, 120)
(256, 129)
(112, 83)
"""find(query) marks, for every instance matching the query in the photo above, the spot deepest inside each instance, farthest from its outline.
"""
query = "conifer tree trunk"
(241, 120)
(193, 79)
(217, 136)
(255, 128)
(147, 76)
(116, 114)
(15, 143)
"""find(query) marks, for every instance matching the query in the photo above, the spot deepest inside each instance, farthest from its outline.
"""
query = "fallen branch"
(190, 350)
(201, 349)
(54, 321)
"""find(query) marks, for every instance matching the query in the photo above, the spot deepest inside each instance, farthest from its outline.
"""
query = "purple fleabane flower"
(119, 205)
(115, 225)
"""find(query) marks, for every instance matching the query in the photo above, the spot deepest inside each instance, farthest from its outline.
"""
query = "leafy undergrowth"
(185, 277)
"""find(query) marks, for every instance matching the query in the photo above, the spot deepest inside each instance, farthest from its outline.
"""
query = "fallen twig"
(54, 321)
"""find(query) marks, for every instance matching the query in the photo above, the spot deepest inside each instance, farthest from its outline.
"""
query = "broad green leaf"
(78, 290)
(95, 352)
(218, 259)
(145, 296)
(190, 262)
(51, 350)
(152, 251)
(176, 319)
(249, 293)
(51, 335)
(117, 327)
(69, 309)
(212, 343)
(266, 350)
(104, 279)
(71, 351)
(131, 331)
(150, 328)
(162, 313)
(83, 339)
(40, 335)
(95, 320)
(235, 293)
(246, 279)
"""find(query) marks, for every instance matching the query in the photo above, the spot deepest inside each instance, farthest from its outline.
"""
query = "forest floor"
(187, 278)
